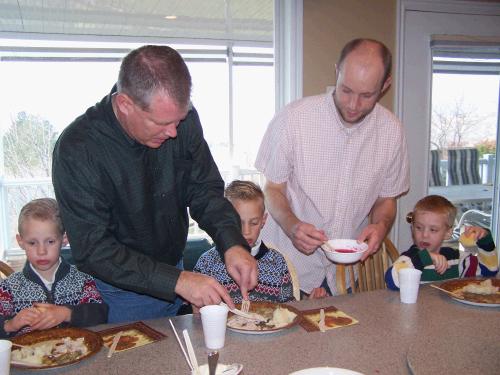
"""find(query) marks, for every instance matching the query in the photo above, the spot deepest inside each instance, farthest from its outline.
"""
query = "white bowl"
(344, 251)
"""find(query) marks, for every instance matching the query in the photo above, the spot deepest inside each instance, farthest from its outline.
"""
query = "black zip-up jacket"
(125, 205)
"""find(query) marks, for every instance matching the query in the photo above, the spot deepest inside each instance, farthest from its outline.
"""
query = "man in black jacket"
(125, 174)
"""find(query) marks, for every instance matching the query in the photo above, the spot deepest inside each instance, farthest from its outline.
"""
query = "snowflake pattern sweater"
(71, 288)
(274, 284)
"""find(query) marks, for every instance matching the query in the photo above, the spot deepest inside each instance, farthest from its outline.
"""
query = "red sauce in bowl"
(345, 251)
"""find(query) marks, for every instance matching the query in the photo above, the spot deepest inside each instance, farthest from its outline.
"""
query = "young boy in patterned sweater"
(274, 283)
(48, 291)
(431, 223)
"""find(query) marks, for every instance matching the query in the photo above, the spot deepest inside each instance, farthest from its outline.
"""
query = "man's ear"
(387, 84)
(124, 103)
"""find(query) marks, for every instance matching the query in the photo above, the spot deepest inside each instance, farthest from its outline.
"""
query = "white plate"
(260, 332)
(476, 303)
(326, 371)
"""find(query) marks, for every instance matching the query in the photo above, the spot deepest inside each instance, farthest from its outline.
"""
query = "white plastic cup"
(409, 281)
(5, 348)
(214, 320)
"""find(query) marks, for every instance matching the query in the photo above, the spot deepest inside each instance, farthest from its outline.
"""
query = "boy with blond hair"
(432, 222)
(274, 282)
(48, 291)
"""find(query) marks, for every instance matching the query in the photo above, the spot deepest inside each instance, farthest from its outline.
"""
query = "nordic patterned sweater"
(71, 288)
(274, 284)
(462, 264)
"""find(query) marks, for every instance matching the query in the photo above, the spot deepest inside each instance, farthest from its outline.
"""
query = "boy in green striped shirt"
(432, 223)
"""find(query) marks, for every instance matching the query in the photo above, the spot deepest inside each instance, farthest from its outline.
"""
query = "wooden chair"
(5, 270)
(370, 273)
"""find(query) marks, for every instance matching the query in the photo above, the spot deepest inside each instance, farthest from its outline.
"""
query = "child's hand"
(51, 315)
(25, 317)
(475, 232)
(440, 263)
(318, 293)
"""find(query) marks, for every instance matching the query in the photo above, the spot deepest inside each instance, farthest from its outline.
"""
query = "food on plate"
(485, 287)
(467, 240)
(51, 352)
(277, 317)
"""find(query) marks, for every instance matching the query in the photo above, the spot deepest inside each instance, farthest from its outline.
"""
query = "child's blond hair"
(41, 209)
(245, 191)
(436, 204)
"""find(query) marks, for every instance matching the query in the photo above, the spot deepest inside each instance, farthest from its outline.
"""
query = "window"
(47, 83)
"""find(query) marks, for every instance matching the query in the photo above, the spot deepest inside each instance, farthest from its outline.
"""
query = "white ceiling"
(214, 19)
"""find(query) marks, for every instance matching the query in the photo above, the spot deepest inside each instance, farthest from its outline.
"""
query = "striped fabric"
(463, 166)
(435, 169)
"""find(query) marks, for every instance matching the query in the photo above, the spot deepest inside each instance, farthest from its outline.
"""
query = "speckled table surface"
(437, 335)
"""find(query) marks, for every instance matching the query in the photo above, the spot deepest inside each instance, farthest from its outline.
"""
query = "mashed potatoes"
(276, 318)
(51, 352)
(484, 287)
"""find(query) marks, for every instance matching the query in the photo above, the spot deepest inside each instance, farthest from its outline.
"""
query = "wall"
(329, 24)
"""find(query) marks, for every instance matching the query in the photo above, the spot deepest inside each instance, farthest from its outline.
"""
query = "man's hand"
(306, 238)
(51, 316)
(25, 317)
(374, 234)
(242, 267)
(201, 290)
(382, 216)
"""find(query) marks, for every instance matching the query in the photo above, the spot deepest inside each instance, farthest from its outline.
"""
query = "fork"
(245, 305)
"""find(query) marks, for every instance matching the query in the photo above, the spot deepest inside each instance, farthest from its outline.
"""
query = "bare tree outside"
(28, 145)
(452, 127)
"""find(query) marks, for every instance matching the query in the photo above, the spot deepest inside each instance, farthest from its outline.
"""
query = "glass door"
(464, 128)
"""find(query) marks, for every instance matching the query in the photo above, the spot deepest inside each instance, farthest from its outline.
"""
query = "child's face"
(429, 230)
(42, 242)
(252, 217)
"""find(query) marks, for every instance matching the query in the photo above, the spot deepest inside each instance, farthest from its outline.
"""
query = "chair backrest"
(435, 178)
(5, 270)
(370, 274)
(293, 273)
(463, 166)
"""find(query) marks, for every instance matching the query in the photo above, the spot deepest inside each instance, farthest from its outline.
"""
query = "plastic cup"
(214, 320)
(5, 347)
(409, 282)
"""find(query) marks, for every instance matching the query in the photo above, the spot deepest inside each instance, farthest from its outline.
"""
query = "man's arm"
(304, 236)
(382, 216)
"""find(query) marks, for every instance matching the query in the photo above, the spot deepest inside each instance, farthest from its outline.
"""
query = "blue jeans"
(127, 306)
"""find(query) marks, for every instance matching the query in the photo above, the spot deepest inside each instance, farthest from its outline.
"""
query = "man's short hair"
(149, 69)
(438, 205)
(385, 54)
(244, 190)
(41, 209)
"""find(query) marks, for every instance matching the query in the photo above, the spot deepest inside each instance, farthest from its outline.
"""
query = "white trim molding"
(288, 51)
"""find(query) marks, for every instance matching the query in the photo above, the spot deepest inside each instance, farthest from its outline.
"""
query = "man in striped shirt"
(331, 161)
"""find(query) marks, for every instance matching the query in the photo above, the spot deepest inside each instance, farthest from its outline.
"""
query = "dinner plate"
(266, 309)
(326, 371)
(92, 340)
(487, 300)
